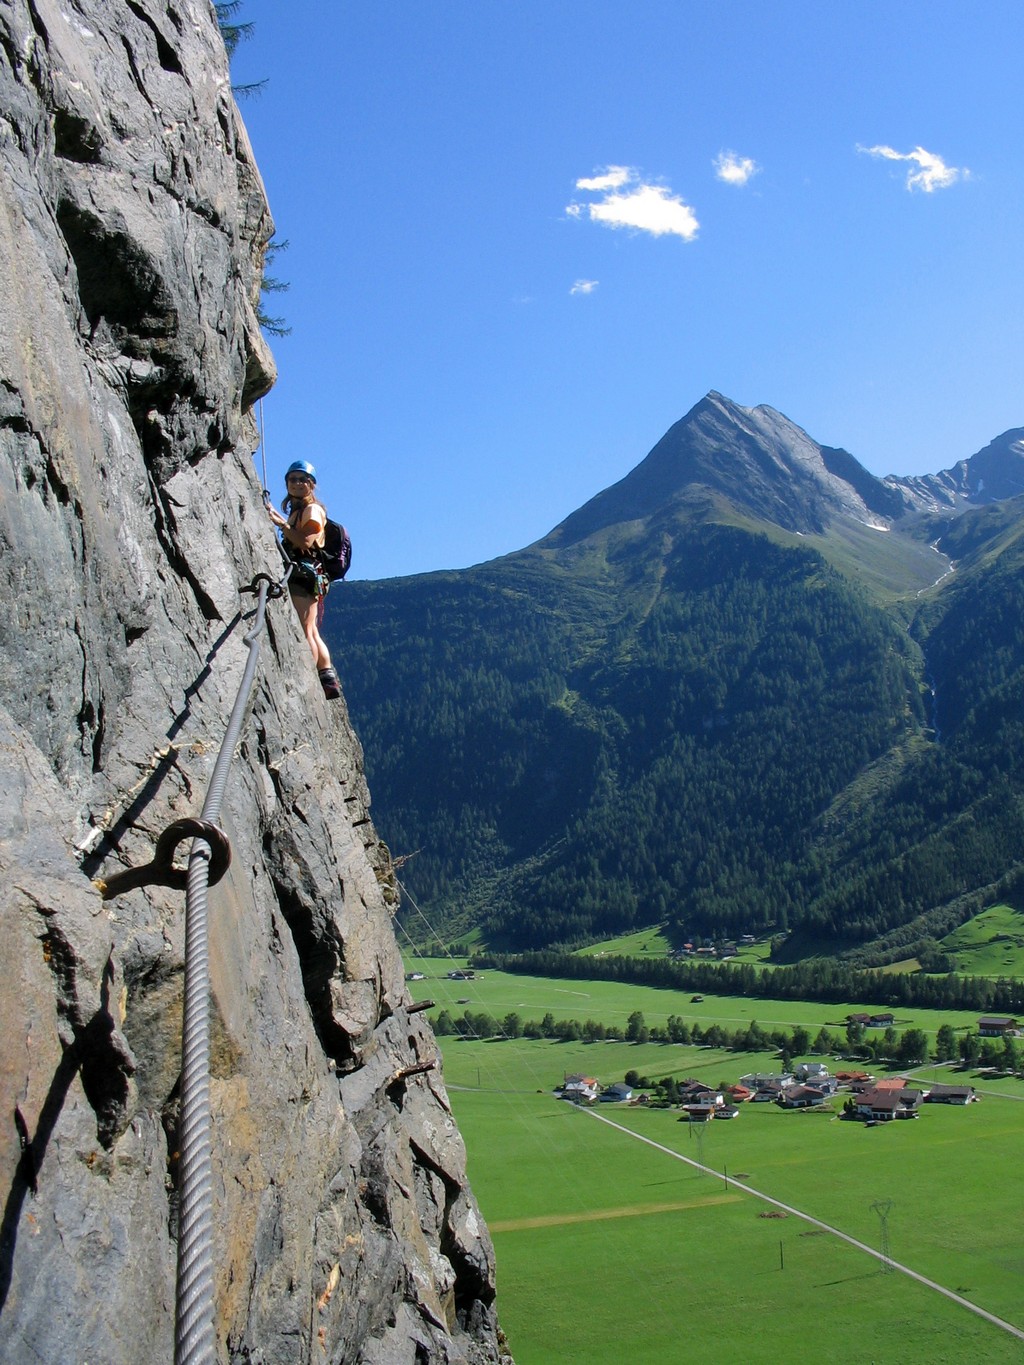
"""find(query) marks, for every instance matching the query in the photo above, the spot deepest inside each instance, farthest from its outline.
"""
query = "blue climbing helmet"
(300, 467)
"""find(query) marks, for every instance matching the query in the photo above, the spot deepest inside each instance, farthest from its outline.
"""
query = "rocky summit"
(756, 458)
(133, 225)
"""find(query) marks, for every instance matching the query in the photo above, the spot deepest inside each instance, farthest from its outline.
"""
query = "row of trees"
(826, 980)
(904, 1048)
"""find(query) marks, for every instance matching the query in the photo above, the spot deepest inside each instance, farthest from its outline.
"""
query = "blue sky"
(526, 236)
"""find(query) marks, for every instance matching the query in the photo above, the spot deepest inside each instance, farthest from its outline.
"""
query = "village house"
(769, 1090)
(688, 1085)
(618, 1093)
(809, 1073)
(868, 1083)
(995, 1026)
(951, 1094)
(738, 1094)
(696, 1092)
(882, 1020)
(882, 1105)
(756, 1079)
(828, 1085)
(580, 1089)
(800, 1097)
(705, 1107)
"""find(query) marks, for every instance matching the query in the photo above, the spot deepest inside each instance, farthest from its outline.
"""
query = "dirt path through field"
(551, 1220)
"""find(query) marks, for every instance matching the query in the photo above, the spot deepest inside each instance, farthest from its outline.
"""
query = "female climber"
(302, 521)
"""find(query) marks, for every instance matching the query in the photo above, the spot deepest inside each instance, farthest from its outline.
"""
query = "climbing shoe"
(329, 682)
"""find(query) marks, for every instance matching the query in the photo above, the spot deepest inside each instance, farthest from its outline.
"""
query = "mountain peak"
(756, 458)
(991, 475)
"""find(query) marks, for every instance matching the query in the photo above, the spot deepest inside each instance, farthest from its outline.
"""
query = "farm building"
(885, 1083)
(738, 1094)
(995, 1026)
(809, 1073)
(883, 1105)
(770, 1090)
(618, 1093)
(694, 1092)
(951, 1094)
(580, 1089)
(800, 1097)
(764, 1080)
(698, 1100)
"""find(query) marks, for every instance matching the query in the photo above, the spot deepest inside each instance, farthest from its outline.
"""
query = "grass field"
(609, 1250)
(990, 944)
(643, 943)
(611, 1002)
(653, 943)
(595, 1229)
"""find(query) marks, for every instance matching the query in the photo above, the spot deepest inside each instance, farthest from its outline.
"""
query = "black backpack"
(336, 552)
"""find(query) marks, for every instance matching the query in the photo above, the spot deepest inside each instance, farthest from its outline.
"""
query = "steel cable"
(194, 1342)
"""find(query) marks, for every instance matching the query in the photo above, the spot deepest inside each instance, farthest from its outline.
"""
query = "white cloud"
(584, 287)
(733, 169)
(932, 172)
(613, 178)
(642, 206)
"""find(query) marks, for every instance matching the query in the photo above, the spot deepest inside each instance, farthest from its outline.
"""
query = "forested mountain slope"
(698, 700)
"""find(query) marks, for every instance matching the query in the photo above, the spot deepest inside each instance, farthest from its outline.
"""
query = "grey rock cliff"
(132, 229)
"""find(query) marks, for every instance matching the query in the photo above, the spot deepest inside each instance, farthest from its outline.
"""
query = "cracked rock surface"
(133, 225)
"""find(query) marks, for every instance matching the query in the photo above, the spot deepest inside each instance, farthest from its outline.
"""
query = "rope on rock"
(263, 451)
(194, 1342)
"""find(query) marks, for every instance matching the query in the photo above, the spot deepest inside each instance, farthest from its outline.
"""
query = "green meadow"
(641, 943)
(612, 1002)
(609, 1249)
(990, 944)
(645, 943)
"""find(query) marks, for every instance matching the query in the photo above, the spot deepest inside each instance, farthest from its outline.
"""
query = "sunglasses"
(299, 478)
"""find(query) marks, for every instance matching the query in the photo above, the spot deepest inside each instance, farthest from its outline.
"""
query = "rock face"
(132, 229)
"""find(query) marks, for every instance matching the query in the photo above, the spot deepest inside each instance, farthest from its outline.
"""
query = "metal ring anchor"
(274, 588)
(162, 871)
